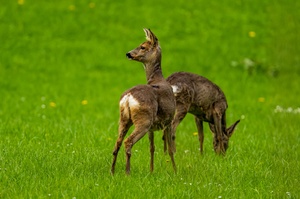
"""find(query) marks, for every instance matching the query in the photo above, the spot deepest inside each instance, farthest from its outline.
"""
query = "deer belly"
(200, 113)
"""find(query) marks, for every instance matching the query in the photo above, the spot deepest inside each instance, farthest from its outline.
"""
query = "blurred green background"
(63, 69)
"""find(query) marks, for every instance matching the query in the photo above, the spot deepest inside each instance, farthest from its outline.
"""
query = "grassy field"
(63, 69)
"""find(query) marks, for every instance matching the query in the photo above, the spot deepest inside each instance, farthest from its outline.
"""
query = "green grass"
(63, 69)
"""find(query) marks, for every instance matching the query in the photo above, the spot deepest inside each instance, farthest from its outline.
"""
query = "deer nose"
(128, 55)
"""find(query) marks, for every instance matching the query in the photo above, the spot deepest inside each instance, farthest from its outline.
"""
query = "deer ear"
(230, 130)
(150, 36)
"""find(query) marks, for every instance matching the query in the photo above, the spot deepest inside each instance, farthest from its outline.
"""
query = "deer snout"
(129, 56)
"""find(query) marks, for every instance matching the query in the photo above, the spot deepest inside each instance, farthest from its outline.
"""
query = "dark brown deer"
(148, 107)
(205, 100)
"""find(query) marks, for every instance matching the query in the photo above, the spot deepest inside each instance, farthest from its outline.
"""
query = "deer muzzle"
(129, 56)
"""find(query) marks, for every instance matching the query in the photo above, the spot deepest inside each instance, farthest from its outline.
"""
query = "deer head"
(221, 147)
(149, 51)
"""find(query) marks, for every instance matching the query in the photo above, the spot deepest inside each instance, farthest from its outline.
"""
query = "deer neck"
(153, 72)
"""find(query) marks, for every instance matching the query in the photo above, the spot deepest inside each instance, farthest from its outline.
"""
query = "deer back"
(198, 93)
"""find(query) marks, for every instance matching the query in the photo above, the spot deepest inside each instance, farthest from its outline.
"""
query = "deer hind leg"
(140, 130)
(199, 124)
(123, 129)
(152, 149)
(181, 111)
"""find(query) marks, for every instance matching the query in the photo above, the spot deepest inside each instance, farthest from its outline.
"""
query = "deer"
(149, 107)
(206, 101)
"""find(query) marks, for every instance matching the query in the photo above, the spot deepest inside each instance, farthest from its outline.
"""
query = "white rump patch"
(132, 102)
(123, 100)
(176, 89)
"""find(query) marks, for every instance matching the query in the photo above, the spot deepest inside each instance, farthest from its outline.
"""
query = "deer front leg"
(152, 149)
(216, 141)
(219, 131)
(199, 124)
(181, 111)
(164, 138)
(171, 145)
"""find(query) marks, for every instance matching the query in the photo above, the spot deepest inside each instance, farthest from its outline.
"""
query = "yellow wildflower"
(52, 104)
(261, 99)
(72, 7)
(195, 133)
(92, 5)
(252, 34)
(21, 2)
(84, 102)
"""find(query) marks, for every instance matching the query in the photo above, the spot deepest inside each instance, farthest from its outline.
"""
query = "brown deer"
(205, 100)
(148, 107)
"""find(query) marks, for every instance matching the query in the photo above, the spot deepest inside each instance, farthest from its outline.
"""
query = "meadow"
(63, 69)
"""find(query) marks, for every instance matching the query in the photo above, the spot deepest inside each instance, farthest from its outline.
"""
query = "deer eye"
(143, 47)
